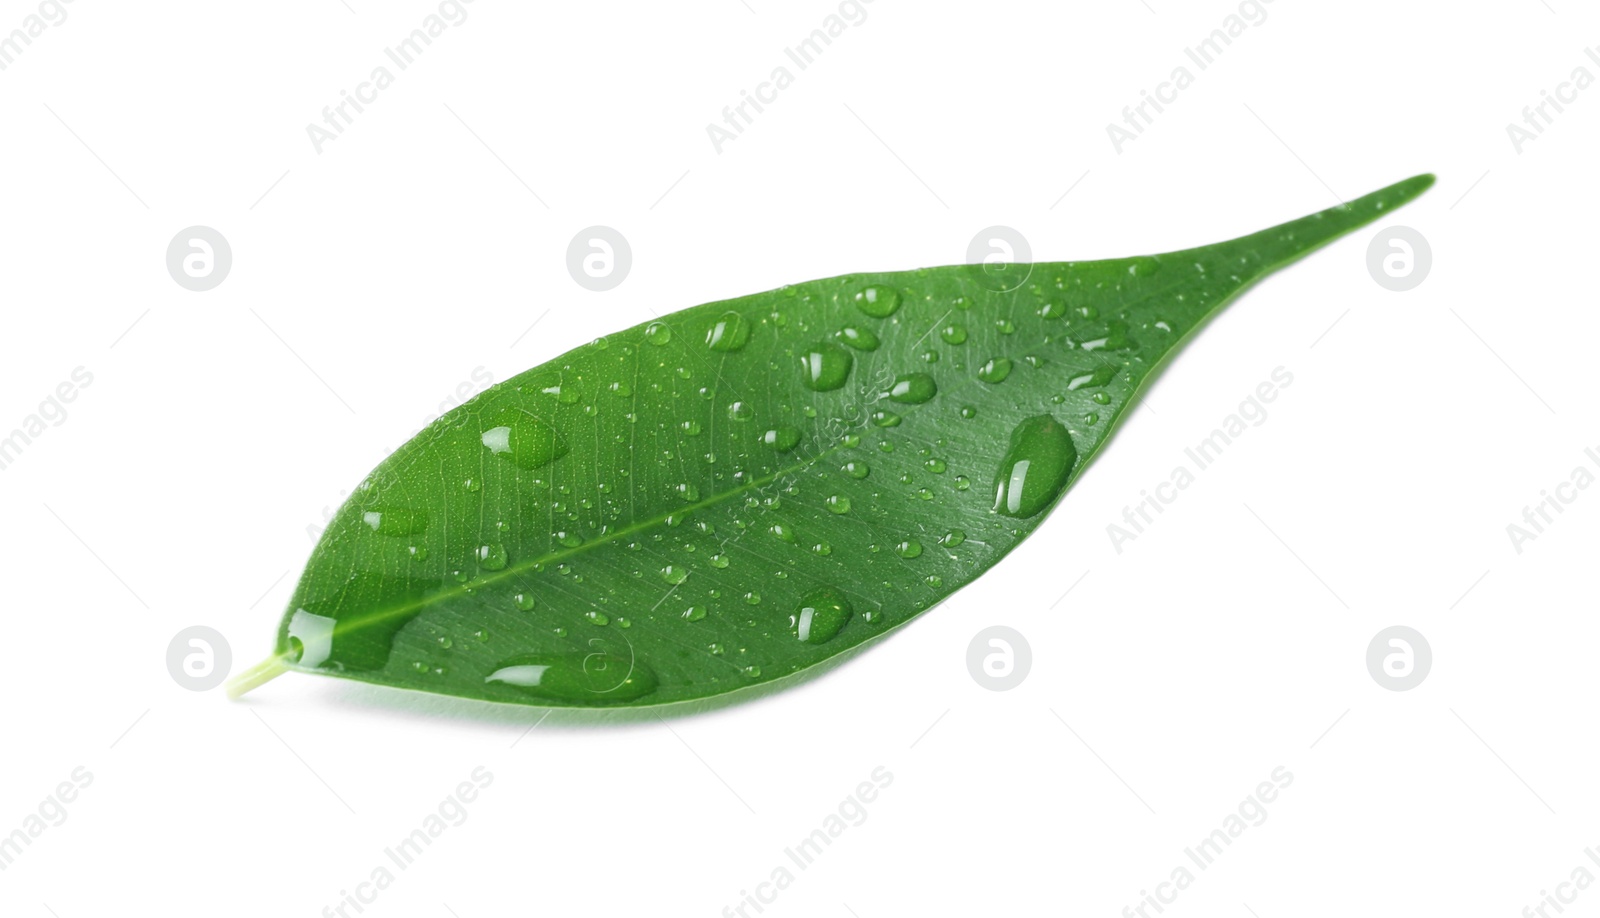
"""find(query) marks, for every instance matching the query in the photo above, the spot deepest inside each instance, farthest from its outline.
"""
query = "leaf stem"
(256, 676)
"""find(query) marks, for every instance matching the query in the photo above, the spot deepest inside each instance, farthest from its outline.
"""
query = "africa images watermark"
(48, 13)
(1541, 515)
(1135, 118)
(852, 811)
(1538, 117)
(404, 53)
(452, 811)
(804, 53)
(1252, 412)
(1252, 811)
(52, 412)
(1566, 892)
(51, 813)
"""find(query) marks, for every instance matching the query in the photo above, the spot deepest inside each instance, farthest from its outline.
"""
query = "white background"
(373, 278)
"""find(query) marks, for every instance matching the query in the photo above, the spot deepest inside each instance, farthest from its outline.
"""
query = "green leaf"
(743, 490)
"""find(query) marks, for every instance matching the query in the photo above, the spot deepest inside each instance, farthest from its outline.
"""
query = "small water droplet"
(856, 469)
(952, 538)
(954, 334)
(674, 575)
(883, 418)
(910, 548)
(524, 601)
(658, 333)
(694, 613)
(838, 503)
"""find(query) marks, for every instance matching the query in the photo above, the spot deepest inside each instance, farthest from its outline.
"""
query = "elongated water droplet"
(396, 521)
(782, 438)
(953, 334)
(1099, 376)
(996, 370)
(525, 440)
(730, 333)
(822, 614)
(1035, 467)
(580, 678)
(913, 388)
(859, 338)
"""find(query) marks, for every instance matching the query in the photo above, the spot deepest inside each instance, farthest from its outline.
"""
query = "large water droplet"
(825, 366)
(822, 614)
(658, 333)
(525, 440)
(913, 388)
(589, 678)
(730, 333)
(782, 438)
(1035, 467)
(878, 301)
(492, 557)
